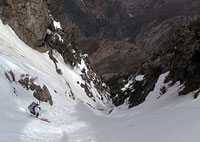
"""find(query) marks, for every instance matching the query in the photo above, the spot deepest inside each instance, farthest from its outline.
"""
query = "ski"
(44, 119)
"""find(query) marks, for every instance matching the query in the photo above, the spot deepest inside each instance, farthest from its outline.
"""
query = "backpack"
(32, 106)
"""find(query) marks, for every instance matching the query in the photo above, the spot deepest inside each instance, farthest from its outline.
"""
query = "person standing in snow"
(33, 108)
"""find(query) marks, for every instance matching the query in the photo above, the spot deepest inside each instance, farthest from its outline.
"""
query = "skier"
(33, 108)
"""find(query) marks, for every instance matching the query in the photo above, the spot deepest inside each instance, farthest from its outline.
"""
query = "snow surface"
(57, 25)
(161, 118)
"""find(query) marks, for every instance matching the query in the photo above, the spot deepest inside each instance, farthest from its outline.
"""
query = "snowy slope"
(15, 123)
(161, 118)
(166, 118)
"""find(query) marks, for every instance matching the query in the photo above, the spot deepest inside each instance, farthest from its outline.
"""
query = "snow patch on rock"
(57, 25)
(139, 77)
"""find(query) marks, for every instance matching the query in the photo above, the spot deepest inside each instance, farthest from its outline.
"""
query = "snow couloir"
(166, 117)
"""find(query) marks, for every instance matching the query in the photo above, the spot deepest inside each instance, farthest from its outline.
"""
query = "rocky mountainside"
(41, 63)
(130, 30)
(180, 56)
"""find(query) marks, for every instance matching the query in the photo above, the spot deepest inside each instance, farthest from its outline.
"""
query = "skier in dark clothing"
(32, 107)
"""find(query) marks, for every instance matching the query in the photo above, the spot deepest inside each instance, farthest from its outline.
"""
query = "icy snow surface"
(171, 118)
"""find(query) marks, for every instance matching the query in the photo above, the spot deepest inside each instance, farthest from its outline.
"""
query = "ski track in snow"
(161, 118)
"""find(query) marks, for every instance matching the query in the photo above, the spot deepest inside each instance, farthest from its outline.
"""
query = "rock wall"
(28, 18)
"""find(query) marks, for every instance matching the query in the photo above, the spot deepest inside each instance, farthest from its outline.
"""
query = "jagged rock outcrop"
(40, 93)
(28, 18)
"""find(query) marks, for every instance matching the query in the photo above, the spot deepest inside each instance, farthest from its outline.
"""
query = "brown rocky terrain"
(113, 56)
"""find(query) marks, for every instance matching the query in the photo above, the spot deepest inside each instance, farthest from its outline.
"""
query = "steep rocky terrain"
(101, 24)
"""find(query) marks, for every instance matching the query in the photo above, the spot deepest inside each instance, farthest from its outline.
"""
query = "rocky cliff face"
(29, 19)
